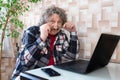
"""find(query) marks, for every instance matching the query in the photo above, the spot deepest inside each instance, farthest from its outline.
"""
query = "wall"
(91, 17)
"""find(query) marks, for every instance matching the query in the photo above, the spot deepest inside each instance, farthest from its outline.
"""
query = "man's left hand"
(69, 26)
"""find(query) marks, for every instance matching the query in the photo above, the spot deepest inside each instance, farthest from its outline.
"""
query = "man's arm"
(33, 48)
(71, 48)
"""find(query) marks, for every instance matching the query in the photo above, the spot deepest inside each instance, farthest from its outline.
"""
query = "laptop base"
(79, 66)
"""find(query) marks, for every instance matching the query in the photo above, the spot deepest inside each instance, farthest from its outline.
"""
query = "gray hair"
(50, 11)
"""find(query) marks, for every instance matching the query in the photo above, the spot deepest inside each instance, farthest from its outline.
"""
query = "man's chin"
(53, 33)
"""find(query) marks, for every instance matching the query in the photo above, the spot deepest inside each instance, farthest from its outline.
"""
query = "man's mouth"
(54, 29)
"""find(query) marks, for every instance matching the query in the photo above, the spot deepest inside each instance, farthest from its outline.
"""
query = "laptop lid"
(103, 51)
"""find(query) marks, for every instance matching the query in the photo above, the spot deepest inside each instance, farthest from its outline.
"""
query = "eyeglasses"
(58, 24)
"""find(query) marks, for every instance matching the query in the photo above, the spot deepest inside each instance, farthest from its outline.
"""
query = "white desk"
(110, 72)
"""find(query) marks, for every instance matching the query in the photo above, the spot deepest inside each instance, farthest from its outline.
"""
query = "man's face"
(56, 24)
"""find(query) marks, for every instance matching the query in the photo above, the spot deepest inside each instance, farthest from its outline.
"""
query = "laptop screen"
(104, 50)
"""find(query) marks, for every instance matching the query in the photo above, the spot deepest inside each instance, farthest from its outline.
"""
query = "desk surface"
(110, 72)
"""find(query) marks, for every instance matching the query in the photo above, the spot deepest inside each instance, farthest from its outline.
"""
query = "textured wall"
(91, 17)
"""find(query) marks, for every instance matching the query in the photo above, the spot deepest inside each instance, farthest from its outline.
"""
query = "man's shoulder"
(32, 28)
(64, 33)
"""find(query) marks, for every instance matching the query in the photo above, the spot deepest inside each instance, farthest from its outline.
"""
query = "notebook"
(100, 57)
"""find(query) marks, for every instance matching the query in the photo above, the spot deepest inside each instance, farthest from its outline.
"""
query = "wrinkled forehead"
(55, 18)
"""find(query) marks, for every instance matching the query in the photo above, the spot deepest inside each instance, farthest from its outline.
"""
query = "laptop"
(100, 58)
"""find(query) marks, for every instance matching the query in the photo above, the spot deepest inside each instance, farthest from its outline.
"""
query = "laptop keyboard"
(79, 65)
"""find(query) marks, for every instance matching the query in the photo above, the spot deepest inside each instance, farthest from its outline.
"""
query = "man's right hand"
(44, 30)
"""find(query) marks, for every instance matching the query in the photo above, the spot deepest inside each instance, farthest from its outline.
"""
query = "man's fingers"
(64, 26)
(69, 26)
(48, 30)
(49, 23)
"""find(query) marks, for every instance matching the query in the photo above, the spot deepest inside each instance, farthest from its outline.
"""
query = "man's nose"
(56, 26)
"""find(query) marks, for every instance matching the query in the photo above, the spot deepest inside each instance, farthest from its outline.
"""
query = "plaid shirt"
(35, 53)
